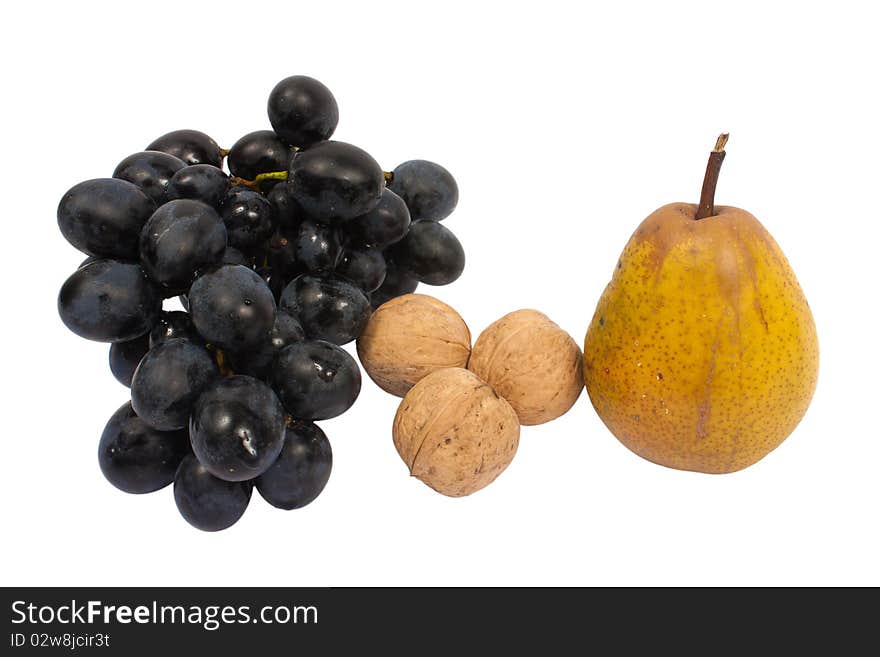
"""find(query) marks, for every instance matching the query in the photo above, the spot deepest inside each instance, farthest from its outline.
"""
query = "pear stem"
(710, 181)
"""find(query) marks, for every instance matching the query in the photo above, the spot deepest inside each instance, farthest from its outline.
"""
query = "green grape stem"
(260, 178)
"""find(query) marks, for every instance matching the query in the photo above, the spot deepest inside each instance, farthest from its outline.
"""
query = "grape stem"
(710, 180)
(224, 152)
(221, 360)
(282, 175)
(260, 178)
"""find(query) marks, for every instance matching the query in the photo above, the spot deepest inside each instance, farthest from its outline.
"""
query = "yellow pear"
(702, 354)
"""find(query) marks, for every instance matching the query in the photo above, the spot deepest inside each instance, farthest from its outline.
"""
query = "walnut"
(532, 363)
(409, 337)
(454, 433)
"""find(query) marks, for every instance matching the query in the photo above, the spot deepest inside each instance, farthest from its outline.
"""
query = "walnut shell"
(532, 363)
(454, 433)
(409, 337)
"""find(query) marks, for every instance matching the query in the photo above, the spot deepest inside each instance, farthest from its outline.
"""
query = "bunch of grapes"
(277, 264)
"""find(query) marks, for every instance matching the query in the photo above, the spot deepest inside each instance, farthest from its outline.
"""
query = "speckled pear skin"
(702, 354)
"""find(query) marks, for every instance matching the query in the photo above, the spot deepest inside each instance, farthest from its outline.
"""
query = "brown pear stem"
(710, 181)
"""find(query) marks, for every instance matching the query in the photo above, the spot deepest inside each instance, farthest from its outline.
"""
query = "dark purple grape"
(301, 471)
(336, 181)
(125, 356)
(429, 191)
(316, 380)
(168, 382)
(248, 217)
(232, 307)
(109, 301)
(173, 325)
(288, 215)
(385, 224)
(191, 146)
(430, 252)
(199, 182)
(137, 458)
(232, 256)
(182, 238)
(257, 362)
(89, 261)
(104, 217)
(281, 256)
(316, 247)
(363, 267)
(151, 171)
(397, 282)
(237, 428)
(258, 152)
(329, 308)
(302, 111)
(274, 281)
(206, 502)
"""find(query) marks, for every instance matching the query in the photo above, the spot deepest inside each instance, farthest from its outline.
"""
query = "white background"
(565, 126)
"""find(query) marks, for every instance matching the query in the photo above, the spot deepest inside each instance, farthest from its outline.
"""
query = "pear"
(702, 354)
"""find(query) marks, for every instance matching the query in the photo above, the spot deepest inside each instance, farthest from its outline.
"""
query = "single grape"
(333, 180)
(232, 308)
(301, 471)
(89, 261)
(151, 171)
(288, 214)
(232, 256)
(274, 281)
(168, 382)
(180, 239)
(137, 458)
(206, 502)
(237, 428)
(248, 218)
(257, 362)
(281, 256)
(191, 146)
(429, 190)
(385, 224)
(329, 308)
(363, 267)
(109, 301)
(431, 252)
(173, 325)
(199, 182)
(258, 152)
(287, 330)
(302, 111)
(316, 247)
(125, 356)
(397, 282)
(104, 217)
(316, 380)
